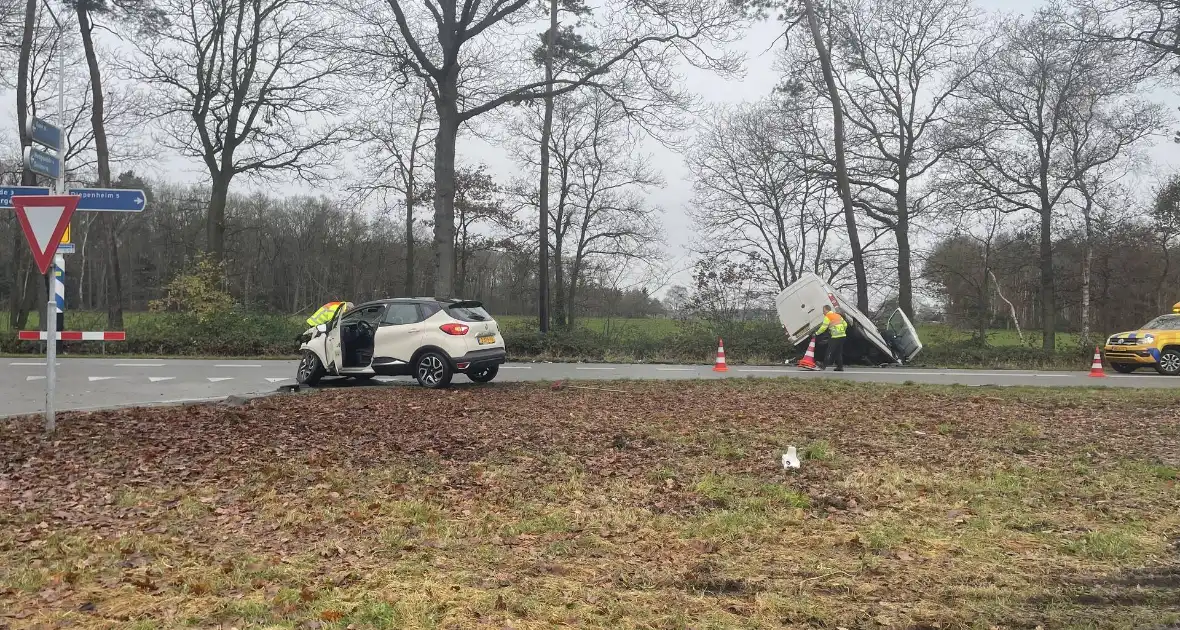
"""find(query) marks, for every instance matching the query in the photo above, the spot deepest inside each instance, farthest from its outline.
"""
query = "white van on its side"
(800, 311)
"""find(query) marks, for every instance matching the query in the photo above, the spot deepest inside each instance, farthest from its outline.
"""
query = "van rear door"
(902, 335)
(800, 307)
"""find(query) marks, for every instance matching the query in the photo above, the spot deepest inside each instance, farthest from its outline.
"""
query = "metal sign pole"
(50, 362)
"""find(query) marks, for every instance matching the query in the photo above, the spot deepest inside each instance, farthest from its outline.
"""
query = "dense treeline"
(288, 255)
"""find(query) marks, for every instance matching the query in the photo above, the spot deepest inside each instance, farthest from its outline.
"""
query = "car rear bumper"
(479, 359)
(1138, 356)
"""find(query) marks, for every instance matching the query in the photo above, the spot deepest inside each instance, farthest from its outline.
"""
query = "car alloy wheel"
(433, 371)
(484, 375)
(1170, 362)
(310, 370)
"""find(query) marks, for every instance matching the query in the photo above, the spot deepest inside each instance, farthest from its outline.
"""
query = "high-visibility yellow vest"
(836, 324)
(324, 314)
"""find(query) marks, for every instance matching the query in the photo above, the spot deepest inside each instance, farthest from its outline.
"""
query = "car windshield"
(469, 313)
(1163, 322)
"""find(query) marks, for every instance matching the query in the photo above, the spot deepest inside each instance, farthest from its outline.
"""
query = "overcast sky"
(760, 78)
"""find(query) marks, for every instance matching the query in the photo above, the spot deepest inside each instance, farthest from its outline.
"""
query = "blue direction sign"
(41, 162)
(7, 192)
(110, 199)
(43, 133)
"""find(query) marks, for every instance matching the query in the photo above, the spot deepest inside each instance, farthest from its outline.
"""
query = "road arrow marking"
(101, 378)
(217, 379)
(157, 379)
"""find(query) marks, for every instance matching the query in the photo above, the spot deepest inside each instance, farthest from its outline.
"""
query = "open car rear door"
(902, 335)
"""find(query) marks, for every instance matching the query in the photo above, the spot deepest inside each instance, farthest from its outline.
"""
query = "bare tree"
(1042, 84)
(128, 11)
(598, 217)
(843, 185)
(246, 86)
(396, 143)
(459, 48)
(567, 46)
(760, 191)
(900, 64)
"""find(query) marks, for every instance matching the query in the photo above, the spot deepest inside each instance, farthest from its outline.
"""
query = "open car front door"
(902, 336)
(334, 349)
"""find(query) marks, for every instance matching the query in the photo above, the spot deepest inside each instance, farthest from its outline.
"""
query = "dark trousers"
(835, 352)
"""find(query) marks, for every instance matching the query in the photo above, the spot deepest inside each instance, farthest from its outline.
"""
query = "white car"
(430, 339)
(800, 311)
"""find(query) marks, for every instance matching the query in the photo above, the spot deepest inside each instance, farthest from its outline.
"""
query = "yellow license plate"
(486, 339)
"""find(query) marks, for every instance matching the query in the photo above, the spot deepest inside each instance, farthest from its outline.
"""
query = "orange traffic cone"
(719, 365)
(1096, 369)
(808, 360)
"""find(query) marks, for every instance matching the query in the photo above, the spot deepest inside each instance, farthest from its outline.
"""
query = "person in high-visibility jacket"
(837, 327)
(324, 314)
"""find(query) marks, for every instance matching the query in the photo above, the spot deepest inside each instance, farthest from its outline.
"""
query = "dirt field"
(663, 506)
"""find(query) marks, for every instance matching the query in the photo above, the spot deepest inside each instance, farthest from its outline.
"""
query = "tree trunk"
(901, 230)
(1087, 263)
(842, 183)
(444, 184)
(561, 294)
(1048, 301)
(103, 156)
(543, 191)
(19, 300)
(409, 286)
(215, 219)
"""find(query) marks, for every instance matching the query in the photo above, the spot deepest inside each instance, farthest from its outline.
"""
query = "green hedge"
(691, 342)
(181, 334)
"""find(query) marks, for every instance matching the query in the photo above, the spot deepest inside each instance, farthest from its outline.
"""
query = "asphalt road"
(86, 384)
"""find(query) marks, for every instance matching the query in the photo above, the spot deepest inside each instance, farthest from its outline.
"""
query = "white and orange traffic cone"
(1096, 369)
(808, 360)
(719, 365)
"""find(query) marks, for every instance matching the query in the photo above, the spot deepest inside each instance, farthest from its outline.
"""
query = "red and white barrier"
(73, 335)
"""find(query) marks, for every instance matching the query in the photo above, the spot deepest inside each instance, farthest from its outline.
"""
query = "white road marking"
(34, 378)
(515, 367)
(595, 368)
(139, 365)
(157, 379)
(101, 378)
(218, 379)
(277, 379)
(42, 364)
(238, 365)
(676, 369)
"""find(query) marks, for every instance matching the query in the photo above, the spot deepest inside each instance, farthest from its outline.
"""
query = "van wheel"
(311, 370)
(1169, 364)
(433, 371)
(1124, 368)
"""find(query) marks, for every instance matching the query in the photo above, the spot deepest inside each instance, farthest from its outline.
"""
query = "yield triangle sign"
(44, 219)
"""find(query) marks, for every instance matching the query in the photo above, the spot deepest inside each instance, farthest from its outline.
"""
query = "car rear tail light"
(454, 329)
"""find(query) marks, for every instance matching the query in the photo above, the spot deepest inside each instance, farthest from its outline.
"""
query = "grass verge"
(664, 506)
